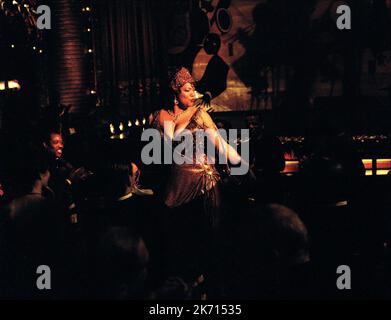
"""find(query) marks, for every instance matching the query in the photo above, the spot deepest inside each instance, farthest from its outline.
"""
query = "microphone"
(198, 95)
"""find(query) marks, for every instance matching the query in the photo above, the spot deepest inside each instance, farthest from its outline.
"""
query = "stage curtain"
(131, 55)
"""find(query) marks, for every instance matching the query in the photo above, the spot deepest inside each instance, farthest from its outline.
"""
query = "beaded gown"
(197, 181)
(193, 199)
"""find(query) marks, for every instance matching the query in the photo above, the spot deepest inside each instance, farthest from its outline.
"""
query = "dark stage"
(303, 90)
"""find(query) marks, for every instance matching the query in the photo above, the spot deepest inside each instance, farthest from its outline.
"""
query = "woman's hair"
(179, 78)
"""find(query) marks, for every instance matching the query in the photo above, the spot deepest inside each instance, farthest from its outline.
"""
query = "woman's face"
(186, 95)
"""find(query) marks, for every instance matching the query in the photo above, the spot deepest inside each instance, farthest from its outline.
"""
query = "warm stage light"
(129, 123)
(10, 85)
(90, 50)
(367, 163)
(378, 172)
(291, 166)
(12, 46)
(112, 129)
(383, 164)
(14, 84)
(383, 167)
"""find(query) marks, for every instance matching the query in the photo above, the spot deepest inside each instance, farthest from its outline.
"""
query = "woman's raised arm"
(219, 142)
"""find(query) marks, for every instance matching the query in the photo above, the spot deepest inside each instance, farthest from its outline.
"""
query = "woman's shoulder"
(164, 116)
(155, 115)
(157, 118)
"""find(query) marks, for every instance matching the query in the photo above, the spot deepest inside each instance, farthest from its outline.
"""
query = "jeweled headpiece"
(180, 78)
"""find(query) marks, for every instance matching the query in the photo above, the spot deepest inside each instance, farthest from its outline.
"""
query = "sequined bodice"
(195, 176)
(194, 132)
